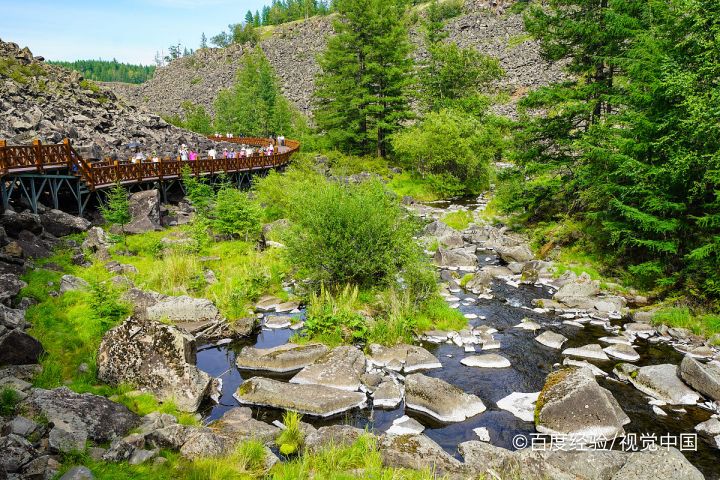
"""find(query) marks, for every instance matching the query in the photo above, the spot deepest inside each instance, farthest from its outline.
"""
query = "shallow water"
(531, 362)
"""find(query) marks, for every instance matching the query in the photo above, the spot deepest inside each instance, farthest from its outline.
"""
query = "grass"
(291, 439)
(405, 184)
(705, 325)
(9, 400)
(459, 220)
(14, 69)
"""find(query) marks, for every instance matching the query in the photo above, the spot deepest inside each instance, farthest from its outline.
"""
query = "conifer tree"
(362, 94)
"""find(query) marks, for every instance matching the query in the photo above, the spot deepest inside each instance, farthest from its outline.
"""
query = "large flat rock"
(285, 358)
(407, 358)
(658, 381)
(703, 377)
(573, 404)
(315, 400)
(340, 368)
(439, 399)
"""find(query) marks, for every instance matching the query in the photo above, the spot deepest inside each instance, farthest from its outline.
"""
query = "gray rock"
(443, 234)
(14, 223)
(171, 436)
(592, 351)
(710, 431)
(12, 318)
(518, 253)
(67, 441)
(663, 463)
(19, 348)
(237, 425)
(141, 456)
(100, 418)
(387, 395)
(314, 400)
(486, 360)
(145, 212)
(597, 464)
(183, 309)
(340, 368)
(41, 468)
(335, 435)
(578, 293)
(155, 357)
(69, 283)
(10, 286)
(405, 426)
(96, 240)
(439, 399)
(16, 452)
(572, 403)
(407, 358)
(703, 377)
(21, 426)
(659, 381)
(551, 339)
(78, 473)
(203, 442)
(522, 405)
(284, 358)
(457, 257)
(622, 352)
(60, 223)
(416, 452)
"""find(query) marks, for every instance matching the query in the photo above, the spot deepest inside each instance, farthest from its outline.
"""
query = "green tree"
(116, 210)
(203, 41)
(249, 17)
(362, 94)
(235, 215)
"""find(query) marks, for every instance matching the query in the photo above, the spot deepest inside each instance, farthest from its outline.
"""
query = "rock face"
(659, 381)
(315, 400)
(95, 417)
(572, 403)
(285, 358)
(155, 357)
(53, 103)
(340, 368)
(703, 377)
(439, 399)
(60, 223)
(145, 212)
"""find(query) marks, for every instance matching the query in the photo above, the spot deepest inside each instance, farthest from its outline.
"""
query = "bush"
(350, 234)
(234, 215)
(332, 317)
(291, 438)
(9, 400)
(454, 146)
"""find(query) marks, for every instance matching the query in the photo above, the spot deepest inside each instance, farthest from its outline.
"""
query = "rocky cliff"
(39, 100)
(293, 49)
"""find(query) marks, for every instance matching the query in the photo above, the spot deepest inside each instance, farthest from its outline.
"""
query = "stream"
(531, 363)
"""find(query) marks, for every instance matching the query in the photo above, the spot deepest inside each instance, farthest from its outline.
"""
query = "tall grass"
(291, 439)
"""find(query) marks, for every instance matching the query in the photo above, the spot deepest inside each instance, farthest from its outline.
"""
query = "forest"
(110, 70)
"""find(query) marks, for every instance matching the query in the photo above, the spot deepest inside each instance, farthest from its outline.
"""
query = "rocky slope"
(38, 100)
(293, 48)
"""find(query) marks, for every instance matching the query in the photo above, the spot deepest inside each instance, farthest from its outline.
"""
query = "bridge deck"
(39, 159)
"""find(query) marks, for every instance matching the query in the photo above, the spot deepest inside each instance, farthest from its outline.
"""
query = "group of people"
(187, 154)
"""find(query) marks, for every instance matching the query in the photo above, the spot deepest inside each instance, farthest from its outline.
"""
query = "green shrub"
(333, 318)
(234, 215)
(291, 438)
(350, 234)
(459, 220)
(9, 400)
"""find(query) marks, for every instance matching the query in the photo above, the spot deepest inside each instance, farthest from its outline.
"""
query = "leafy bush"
(453, 145)
(350, 234)
(234, 215)
(279, 192)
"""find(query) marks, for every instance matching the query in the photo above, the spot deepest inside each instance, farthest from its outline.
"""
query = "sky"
(129, 30)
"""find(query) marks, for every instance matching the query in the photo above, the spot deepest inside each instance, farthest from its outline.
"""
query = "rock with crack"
(551, 339)
(417, 452)
(237, 425)
(387, 395)
(592, 351)
(658, 381)
(456, 257)
(573, 404)
(284, 358)
(314, 400)
(486, 360)
(703, 377)
(90, 416)
(145, 212)
(407, 358)
(439, 399)
(522, 405)
(340, 368)
(154, 357)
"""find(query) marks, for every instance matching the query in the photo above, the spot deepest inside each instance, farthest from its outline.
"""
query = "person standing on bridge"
(212, 153)
(183, 152)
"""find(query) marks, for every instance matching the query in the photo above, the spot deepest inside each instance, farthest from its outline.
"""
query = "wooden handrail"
(38, 158)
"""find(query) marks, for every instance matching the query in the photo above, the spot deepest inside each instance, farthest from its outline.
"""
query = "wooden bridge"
(37, 171)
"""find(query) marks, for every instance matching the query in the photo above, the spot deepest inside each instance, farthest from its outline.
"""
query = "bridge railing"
(37, 158)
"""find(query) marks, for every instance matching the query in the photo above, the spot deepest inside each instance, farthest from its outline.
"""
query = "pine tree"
(116, 210)
(249, 18)
(203, 41)
(362, 91)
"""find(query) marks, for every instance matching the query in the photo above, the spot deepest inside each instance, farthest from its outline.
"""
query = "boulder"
(10, 286)
(20, 426)
(14, 223)
(518, 253)
(573, 404)
(97, 241)
(284, 358)
(522, 405)
(183, 309)
(145, 212)
(40, 468)
(16, 452)
(443, 234)
(551, 339)
(78, 473)
(457, 257)
(335, 435)
(486, 360)
(416, 452)
(408, 358)
(387, 395)
(405, 426)
(61, 224)
(703, 377)
(592, 351)
(170, 436)
(61, 440)
(622, 352)
(663, 463)
(96, 417)
(439, 399)
(579, 293)
(710, 431)
(340, 368)
(658, 381)
(237, 425)
(203, 442)
(12, 318)
(19, 348)
(155, 357)
(70, 283)
(314, 400)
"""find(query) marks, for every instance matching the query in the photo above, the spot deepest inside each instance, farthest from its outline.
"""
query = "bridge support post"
(4, 195)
